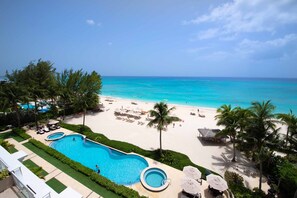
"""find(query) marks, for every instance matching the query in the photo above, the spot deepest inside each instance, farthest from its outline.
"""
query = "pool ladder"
(166, 180)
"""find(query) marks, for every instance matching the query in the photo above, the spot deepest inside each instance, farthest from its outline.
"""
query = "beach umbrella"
(190, 186)
(192, 172)
(216, 182)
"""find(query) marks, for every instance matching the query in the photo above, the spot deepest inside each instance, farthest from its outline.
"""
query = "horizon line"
(242, 77)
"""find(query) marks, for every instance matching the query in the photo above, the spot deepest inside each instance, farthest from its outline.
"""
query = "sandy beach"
(183, 137)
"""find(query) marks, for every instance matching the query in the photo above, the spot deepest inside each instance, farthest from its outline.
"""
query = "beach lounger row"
(45, 129)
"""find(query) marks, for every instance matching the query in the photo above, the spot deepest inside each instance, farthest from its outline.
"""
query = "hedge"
(21, 132)
(102, 181)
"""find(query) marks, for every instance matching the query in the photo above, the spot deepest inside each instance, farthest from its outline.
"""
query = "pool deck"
(174, 175)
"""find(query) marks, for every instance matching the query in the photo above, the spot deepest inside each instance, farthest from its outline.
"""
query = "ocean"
(205, 91)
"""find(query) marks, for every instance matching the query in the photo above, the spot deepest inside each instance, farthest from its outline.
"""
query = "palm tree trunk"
(84, 117)
(17, 115)
(260, 177)
(160, 142)
(234, 153)
(35, 113)
(287, 136)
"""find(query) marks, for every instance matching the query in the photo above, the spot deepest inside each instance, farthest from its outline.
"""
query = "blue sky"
(153, 37)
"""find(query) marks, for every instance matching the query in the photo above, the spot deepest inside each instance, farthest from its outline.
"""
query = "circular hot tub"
(154, 179)
(55, 136)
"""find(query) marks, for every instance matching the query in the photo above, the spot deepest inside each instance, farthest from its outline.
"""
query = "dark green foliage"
(56, 185)
(288, 176)
(102, 181)
(7, 146)
(3, 174)
(171, 158)
(235, 183)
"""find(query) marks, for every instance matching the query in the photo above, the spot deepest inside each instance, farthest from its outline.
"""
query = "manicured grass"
(12, 149)
(18, 138)
(37, 170)
(11, 135)
(56, 185)
(71, 172)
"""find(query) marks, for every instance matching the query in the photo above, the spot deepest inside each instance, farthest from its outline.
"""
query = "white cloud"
(272, 49)
(90, 22)
(242, 16)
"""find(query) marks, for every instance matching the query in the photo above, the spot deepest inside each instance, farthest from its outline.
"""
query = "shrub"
(5, 144)
(234, 178)
(288, 176)
(102, 181)
(3, 174)
(235, 183)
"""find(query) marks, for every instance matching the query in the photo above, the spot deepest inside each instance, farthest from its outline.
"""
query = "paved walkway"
(54, 172)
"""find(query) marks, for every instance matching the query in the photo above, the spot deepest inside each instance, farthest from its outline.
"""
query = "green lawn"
(37, 170)
(11, 135)
(56, 185)
(71, 172)
(12, 149)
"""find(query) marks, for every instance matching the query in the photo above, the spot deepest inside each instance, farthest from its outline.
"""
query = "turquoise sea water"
(203, 91)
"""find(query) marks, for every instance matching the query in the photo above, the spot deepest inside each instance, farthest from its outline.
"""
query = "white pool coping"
(148, 187)
(55, 138)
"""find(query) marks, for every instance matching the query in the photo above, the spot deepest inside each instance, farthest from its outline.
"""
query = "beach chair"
(45, 129)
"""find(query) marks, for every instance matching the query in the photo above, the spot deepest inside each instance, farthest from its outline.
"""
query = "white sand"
(182, 138)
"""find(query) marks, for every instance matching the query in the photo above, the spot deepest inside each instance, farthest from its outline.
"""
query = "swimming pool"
(154, 179)
(27, 106)
(121, 168)
(55, 136)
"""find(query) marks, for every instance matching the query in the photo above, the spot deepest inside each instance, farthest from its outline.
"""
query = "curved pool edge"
(130, 153)
(47, 139)
(150, 188)
(110, 148)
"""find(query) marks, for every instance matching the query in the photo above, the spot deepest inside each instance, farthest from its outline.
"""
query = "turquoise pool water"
(155, 177)
(31, 107)
(55, 135)
(118, 167)
(27, 106)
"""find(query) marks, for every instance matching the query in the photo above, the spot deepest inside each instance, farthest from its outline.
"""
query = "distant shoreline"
(153, 102)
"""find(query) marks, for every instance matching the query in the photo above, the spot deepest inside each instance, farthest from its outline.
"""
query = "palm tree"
(162, 118)
(228, 117)
(261, 130)
(291, 121)
(87, 94)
